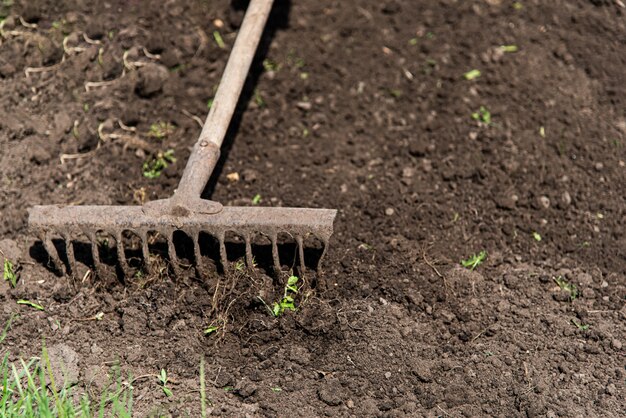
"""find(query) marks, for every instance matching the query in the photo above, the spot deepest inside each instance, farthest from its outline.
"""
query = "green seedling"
(472, 74)
(542, 132)
(218, 39)
(509, 48)
(287, 302)
(256, 199)
(568, 287)
(483, 115)
(276, 389)
(209, 103)
(581, 326)
(163, 380)
(258, 99)
(228, 388)
(9, 273)
(536, 236)
(154, 167)
(211, 329)
(270, 65)
(413, 41)
(240, 265)
(395, 93)
(475, 260)
(160, 130)
(31, 304)
(518, 5)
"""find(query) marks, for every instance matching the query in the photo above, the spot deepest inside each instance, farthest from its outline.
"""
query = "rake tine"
(71, 257)
(95, 254)
(171, 251)
(223, 256)
(249, 258)
(52, 251)
(300, 244)
(196, 253)
(275, 259)
(145, 252)
(121, 257)
(319, 263)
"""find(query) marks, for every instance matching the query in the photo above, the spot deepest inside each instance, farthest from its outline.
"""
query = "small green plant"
(472, 74)
(568, 287)
(475, 260)
(276, 389)
(256, 199)
(211, 329)
(270, 65)
(258, 99)
(209, 103)
(509, 48)
(240, 265)
(163, 380)
(483, 115)
(536, 236)
(9, 273)
(218, 39)
(287, 302)
(579, 325)
(413, 41)
(160, 130)
(153, 168)
(31, 304)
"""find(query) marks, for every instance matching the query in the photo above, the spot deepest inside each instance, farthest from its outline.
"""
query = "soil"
(363, 108)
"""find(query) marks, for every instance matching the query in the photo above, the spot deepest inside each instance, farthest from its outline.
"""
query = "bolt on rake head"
(71, 222)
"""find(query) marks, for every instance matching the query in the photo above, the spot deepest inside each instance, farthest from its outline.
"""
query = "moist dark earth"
(358, 106)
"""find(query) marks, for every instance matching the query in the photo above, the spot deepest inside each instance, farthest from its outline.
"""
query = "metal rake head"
(71, 222)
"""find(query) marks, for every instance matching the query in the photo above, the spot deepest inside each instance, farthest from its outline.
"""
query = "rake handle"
(206, 151)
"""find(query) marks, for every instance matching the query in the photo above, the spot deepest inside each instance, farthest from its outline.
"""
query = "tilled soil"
(363, 108)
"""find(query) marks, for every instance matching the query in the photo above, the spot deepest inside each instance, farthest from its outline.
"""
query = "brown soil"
(368, 113)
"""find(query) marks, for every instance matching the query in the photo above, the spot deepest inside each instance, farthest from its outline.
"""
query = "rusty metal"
(186, 211)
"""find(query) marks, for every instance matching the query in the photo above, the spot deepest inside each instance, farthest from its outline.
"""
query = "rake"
(186, 211)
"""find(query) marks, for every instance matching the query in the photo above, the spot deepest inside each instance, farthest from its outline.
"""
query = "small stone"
(350, 403)
(604, 284)
(544, 202)
(151, 79)
(565, 200)
(616, 344)
(506, 201)
(588, 293)
(388, 375)
(427, 165)
(389, 211)
(611, 389)
(408, 172)
(9, 250)
(232, 177)
(249, 175)
(598, 166)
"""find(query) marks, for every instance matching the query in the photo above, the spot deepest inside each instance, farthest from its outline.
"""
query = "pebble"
(543, 201)
(598, 166)
(611, 389)
(151, 79)
(565, 200)
(584, 279)
(388, 375)
(588, 293)
(408, 172)
(616, 344)
(389, 211)
(604, 284)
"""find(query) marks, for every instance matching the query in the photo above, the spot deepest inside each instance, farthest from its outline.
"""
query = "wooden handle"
(206, 150)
